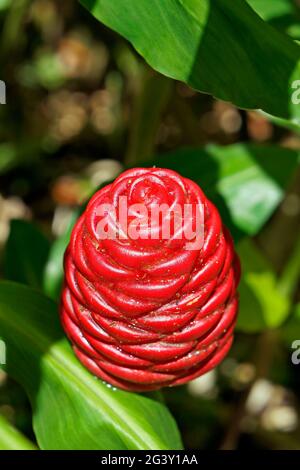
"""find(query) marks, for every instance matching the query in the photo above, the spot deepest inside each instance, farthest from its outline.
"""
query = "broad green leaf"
(285, 16)
(4, 4)
(246, 182)
(26, 253)
(218, 47)
(71, 408)
(282, 14)
(261, 303)
(11, 438)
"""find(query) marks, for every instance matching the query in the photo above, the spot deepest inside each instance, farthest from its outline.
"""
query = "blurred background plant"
(81, 106)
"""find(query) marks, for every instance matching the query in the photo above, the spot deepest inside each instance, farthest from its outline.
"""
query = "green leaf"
(282, 14)
(218, 47)
(26, 254)
(246, 182)
(11, 438)
(261, 303)
(71, 408)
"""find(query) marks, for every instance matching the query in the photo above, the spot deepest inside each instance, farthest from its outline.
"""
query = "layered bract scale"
(150, 312)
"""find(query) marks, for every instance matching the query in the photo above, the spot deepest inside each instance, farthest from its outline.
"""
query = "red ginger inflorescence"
(143, 314)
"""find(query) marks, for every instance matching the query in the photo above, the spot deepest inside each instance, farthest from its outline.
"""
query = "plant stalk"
(151, 102)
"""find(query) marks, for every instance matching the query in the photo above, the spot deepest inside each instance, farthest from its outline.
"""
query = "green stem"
(150, 103)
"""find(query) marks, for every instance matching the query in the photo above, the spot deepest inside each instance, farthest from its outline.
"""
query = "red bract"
(147, 313)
